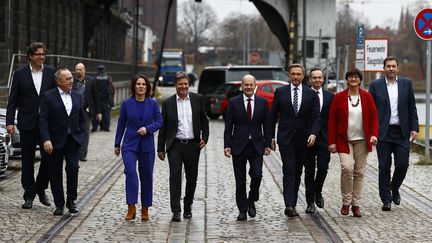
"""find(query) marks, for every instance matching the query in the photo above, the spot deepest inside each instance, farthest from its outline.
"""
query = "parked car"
(213, 77)
(15, 143)
(219, 99)
(5, 145)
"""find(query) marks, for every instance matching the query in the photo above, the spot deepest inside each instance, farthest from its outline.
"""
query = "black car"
(15, 144)
(5, 144)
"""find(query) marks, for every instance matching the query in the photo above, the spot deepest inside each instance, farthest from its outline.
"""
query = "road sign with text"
(423, 24)
(376, 50)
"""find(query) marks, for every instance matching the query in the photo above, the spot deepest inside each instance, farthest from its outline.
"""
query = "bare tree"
(196, 24)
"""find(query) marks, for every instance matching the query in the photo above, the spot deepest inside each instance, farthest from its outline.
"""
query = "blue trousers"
(145, 168)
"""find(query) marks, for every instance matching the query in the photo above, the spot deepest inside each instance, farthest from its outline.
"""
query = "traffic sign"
(254, 57)
(423, 24)
(360, 36)
(376, 50)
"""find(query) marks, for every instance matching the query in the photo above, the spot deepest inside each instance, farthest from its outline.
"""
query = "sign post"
(423, 28)
(359, 63)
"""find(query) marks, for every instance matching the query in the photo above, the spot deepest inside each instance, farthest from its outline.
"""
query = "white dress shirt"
(245, 101)
(37, 78)
(184, 116)
(67, 100)
(299, 95)
(392, 90)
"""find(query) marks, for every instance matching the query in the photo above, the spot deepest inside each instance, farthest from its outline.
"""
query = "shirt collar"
(245, 98)
(178, 97)
(319, 90)
(31, 68)
(62, 92)
(298, 87)
(390, 83)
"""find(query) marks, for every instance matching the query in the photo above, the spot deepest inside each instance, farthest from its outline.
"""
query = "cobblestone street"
(214, 210)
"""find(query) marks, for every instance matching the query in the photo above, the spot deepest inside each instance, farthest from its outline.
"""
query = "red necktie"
(249, 109)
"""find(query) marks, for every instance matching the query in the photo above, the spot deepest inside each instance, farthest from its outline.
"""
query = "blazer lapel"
(30, 77)
(290, 99)
(385, 91)
(242, 107)
(401, 86)
(60, 100)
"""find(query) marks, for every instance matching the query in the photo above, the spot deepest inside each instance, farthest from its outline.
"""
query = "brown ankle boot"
(131, 212)
(144, 214)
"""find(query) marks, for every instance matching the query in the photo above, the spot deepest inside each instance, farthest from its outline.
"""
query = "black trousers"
(292, 167)
(179, 154)
(255, 159)
(69, 152)
(399, 146)
(320, 156)
(31, 187)
(84, 146)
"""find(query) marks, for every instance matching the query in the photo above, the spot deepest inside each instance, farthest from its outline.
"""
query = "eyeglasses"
(354, 77)
(39, 54)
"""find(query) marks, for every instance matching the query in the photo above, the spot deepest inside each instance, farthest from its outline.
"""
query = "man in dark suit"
(398, 126)
(184, 133)
(29, 82)
(86, 87)
(318, 154)
(62, 125)
(297, 108)
(247, 138)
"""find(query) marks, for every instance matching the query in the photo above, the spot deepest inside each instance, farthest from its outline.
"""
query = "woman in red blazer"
(352, 130)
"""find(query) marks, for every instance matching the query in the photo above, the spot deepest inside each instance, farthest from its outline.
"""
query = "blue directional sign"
(360, 36)
(423, 24)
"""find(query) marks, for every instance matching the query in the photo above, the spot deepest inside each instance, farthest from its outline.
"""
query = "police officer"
(106, 91)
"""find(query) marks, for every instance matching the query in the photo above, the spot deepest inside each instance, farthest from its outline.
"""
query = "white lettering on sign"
(376, 50)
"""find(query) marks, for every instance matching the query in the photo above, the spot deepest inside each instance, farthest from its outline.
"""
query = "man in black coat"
(184, 132)
(86, 87)
(28, 83)
(62, 133)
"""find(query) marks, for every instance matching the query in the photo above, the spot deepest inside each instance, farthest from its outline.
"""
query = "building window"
(310, 46)
(324, 49)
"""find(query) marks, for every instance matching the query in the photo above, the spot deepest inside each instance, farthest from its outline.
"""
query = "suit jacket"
(338, 120)
(131, 120)
(24, 97)
(295, 128)
(54, 122)
(324, 115)
(407, 110)
(238, 128)
(90, 95)
(168, 131)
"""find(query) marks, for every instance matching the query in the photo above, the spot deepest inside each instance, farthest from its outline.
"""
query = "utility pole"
(337, 68)
(135, 39)
(346, 57)
(304, 34)
(319, 48)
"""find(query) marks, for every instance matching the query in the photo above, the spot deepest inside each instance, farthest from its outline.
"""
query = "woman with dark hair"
(141, 118)
(352, 130)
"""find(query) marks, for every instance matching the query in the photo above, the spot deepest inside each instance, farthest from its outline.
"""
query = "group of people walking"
(55, 108)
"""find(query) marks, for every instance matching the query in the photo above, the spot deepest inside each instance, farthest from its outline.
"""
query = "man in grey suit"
(398, 126)
(184, 132)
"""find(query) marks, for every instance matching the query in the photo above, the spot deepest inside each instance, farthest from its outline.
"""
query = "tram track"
(58, 226)
(274, 165)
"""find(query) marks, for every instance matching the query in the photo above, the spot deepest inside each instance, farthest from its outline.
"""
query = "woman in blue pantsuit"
(141, 118)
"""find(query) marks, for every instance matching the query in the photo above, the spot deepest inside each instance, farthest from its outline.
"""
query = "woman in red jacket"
(352, 130)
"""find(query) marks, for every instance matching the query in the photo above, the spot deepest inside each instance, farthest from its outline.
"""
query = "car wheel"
(212, 115)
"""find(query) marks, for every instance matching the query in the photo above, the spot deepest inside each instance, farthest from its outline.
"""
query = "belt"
(394, 126)
(186, 141)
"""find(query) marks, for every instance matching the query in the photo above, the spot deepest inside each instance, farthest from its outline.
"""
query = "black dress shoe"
(386, 207)
(83, 159)
(187, 214)
(176, 217)
(242, 216)
(310, 208)
(252, 210)
(291, 212)
(44, 200)
(319, 201)
(58, 211)
(28, 204)
(396, 198)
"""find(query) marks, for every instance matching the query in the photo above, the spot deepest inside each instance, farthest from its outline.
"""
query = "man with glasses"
(28, 83)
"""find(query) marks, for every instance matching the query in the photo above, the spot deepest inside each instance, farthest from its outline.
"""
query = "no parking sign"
(423, 24)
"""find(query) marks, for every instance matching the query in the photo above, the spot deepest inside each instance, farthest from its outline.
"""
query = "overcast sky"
(378, 12)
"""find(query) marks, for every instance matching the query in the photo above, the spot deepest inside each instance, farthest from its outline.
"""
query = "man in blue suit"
(398, 126)
(28, 83)
(62, 128)
(318, 154)
(297, 108)
(247, 138)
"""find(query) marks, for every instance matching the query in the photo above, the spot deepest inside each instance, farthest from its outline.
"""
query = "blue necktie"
(295, 101)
